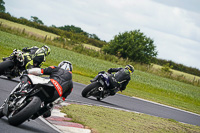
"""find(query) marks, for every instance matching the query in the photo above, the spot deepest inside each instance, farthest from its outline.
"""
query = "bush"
(166, 68)
(133, 45)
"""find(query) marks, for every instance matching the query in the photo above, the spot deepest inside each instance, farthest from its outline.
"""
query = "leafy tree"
(36, 20)
(133, 45)
(2, 7)
(73, 29)
(53, 26)
(22, 18)
(94, 36)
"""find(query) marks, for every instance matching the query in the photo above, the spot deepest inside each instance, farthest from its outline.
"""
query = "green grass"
(105, 120)
(143, 84)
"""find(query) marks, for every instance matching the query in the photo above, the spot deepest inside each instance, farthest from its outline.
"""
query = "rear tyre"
(87, 89)
(31, 108)
(5, 65)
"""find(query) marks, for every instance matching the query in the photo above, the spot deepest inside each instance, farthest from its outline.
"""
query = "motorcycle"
(99, 88)
(31, 98)
(13, 65)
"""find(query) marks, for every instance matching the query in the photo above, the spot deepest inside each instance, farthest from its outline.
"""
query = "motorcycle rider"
(119, 80)
(61, 78)
(34, 56)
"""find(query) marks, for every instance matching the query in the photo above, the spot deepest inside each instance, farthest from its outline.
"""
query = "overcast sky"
(174, 25)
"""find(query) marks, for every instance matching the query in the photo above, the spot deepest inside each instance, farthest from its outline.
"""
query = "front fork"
(5, 101)
(16, 87)
(103, 92)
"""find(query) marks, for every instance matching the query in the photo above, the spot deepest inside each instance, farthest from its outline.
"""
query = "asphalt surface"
(117, 101)
(137, 105)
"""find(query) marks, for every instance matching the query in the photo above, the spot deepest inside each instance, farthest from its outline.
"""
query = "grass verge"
(106, 120)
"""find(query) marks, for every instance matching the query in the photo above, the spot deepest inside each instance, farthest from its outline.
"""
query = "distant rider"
(120, 79)
(60, 77)
(34, 56)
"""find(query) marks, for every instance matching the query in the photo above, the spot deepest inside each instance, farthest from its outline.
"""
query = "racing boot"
(47, 113)
(44, 111)
(113, 91)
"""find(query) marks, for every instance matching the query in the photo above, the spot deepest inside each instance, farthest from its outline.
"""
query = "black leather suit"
(119, 79)
(62, 77)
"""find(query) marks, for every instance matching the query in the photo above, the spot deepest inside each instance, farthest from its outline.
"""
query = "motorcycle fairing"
(106, 78)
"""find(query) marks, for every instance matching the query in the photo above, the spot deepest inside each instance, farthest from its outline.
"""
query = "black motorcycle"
(13, 65)
(100, 88)
(31, 98)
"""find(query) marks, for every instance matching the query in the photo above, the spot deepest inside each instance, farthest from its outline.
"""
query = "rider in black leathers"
(60, 77)
(120, 79)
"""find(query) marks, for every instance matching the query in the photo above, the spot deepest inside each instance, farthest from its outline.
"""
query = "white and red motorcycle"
(31, 98)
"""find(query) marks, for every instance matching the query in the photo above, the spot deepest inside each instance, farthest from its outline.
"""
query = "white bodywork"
(38, 80)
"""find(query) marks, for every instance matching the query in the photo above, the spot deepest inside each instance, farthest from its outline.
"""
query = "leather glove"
(24, 72)
(109, 71)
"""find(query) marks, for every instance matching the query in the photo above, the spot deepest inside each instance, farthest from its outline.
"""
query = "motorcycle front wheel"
(19, 116)
(89, 89)
(6, 65)
(1, 112)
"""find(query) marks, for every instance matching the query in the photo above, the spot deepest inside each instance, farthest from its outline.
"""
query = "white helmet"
(66, 65)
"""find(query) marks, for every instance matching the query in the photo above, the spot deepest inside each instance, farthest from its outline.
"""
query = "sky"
(174, 25)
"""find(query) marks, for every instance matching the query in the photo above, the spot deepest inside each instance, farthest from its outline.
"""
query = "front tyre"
(86, 91)
(24, 114)
(1, 112)
(6, 65)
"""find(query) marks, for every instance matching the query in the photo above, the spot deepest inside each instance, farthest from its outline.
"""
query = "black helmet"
(130, 68)
(66, 65)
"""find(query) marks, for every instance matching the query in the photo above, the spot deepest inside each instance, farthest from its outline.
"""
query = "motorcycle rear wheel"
(24, 114)
(88, 88)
